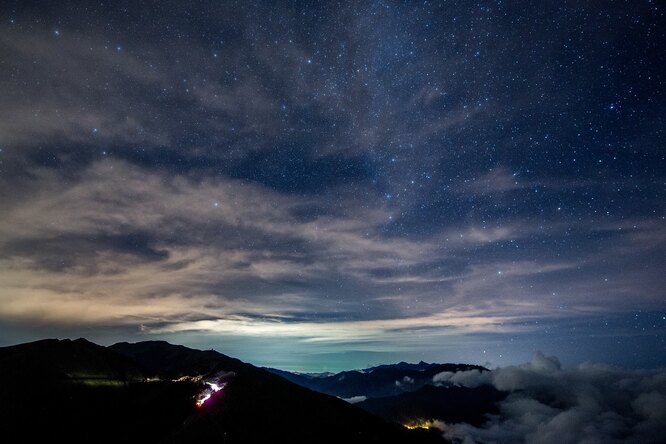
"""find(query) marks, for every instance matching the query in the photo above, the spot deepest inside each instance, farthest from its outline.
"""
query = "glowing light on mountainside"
(208, 392)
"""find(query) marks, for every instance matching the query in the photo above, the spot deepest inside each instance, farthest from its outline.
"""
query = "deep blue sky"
(333, 185)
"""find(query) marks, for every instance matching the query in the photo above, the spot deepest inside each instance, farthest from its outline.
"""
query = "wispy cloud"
(127, 246)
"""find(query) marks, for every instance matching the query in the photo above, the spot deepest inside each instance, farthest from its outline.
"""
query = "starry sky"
(329, 185)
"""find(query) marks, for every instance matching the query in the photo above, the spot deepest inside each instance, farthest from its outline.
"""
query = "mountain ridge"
(157, 399)
(378, 381)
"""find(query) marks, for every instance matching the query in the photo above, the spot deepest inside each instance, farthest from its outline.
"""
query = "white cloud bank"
(589, 404)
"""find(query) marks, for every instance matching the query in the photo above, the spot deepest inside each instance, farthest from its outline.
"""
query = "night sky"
(329, 185)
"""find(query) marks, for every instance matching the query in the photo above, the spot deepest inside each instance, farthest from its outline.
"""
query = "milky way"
(325, 186)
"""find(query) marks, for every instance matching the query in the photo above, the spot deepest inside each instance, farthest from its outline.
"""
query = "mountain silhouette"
(406, 393)
(383, 380)
(66, 360)
(77, 391)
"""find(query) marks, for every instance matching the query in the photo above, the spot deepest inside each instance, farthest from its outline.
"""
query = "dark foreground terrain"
(77, 391)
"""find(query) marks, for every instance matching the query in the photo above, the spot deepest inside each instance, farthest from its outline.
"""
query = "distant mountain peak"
(422, 365)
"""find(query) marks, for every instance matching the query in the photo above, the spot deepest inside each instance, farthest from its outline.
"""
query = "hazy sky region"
(326, 185)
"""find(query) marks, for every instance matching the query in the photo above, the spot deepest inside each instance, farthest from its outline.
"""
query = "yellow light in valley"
(420, 424)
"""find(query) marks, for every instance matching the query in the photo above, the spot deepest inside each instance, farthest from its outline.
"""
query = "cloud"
(405, 381)
(77, 91)
(590, 403)
(125, 245)
(355, 399)
(497, 180)
(122, 245)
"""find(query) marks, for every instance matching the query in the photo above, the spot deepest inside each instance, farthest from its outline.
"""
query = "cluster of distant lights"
(420, 424)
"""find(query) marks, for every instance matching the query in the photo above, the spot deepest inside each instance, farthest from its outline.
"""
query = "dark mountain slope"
(66, 360)
(258, 406)
(451, 404)
(174, 361)
(76, 391)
